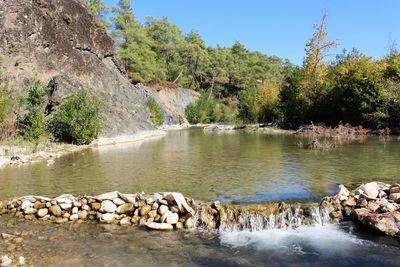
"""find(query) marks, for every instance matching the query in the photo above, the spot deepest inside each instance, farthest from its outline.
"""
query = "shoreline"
(18, 155)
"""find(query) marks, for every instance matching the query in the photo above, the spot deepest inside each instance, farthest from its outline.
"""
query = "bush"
(33, 123)
(78, 119)
(207, 110)
(157, 116)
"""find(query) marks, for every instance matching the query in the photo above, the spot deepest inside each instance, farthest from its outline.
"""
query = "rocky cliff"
(58, 41)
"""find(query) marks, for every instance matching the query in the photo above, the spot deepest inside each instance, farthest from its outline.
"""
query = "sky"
(282, 27)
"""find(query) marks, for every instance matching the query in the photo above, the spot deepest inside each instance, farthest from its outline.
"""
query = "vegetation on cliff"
(157, 116)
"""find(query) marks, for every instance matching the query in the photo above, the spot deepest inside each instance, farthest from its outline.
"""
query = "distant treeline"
(251, 86)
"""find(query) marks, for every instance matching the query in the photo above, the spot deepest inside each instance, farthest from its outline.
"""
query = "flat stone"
(159, 226)
(55, 210)
(172, 218)
(390, 207)
(179, 199)
(117, 201)
(129, 198)
(126, 208)
(107, 196)
(108, 206)
(370, 190)
(29, 211)
(42, 212)
(394, 189)
(65, 206)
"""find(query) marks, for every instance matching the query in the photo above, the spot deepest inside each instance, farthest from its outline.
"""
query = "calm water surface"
(232, 167)
(240, 167)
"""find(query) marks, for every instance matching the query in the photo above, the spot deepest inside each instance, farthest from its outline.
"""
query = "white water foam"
(328, 239)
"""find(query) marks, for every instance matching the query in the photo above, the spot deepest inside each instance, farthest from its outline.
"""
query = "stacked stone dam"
(164, 211)
(375, 204)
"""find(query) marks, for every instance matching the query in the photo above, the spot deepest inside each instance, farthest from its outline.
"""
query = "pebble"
(42, 212)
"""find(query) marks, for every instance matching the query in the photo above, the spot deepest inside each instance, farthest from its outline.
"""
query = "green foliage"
(207, 110)
(157, 116)
(5, 107)
(33, 123)
(78, 119)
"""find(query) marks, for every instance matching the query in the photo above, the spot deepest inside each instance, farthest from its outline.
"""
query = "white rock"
(107, 217)
(125, 221)
(21, 260)
(395, 197)
(189, 223)
(343, 193)
(162, 209)
(42, 212)
(108, 206)
(117, 201)
(66, 206)
(166, 215)
(75, 210)
(73, 217)
(77, 204)
(129, 198)
(173, 218)
(160, 226)
(157, 196)
(66, 198)
(107, 196)
(86, 207)
(5, 261)
(371, 190)
(30, 211)
(26, 204)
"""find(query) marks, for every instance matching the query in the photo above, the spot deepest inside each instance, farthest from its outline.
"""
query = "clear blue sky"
(282, 27)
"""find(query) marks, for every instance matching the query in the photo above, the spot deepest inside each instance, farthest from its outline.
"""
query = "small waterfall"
(279, 216)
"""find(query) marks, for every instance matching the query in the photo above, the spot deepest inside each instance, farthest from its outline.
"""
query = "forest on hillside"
(239, 85)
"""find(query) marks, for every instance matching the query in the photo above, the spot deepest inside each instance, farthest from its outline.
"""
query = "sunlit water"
(241, 167)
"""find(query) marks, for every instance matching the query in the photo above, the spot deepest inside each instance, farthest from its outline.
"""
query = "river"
(239, 168)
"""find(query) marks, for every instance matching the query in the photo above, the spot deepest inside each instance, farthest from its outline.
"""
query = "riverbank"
(17, 155)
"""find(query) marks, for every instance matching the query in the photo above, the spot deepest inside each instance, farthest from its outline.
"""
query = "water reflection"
(242, 167)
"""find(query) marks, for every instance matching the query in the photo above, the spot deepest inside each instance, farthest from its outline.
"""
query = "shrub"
(157, 116)
(78, 119)
(207, 110)
(33, 123)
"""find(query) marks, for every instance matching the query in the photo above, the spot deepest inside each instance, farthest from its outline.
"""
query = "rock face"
(172, 101)
(58, 42)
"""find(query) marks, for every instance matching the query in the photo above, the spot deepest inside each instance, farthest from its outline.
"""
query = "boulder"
(395, 197)
(5, 261)
(82, 214)
(26, 204)
(129, 198)
(180, 200)
(343, 193)
(117, 201)
(162, 209)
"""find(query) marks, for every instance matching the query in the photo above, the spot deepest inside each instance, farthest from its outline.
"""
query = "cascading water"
(253, 219)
